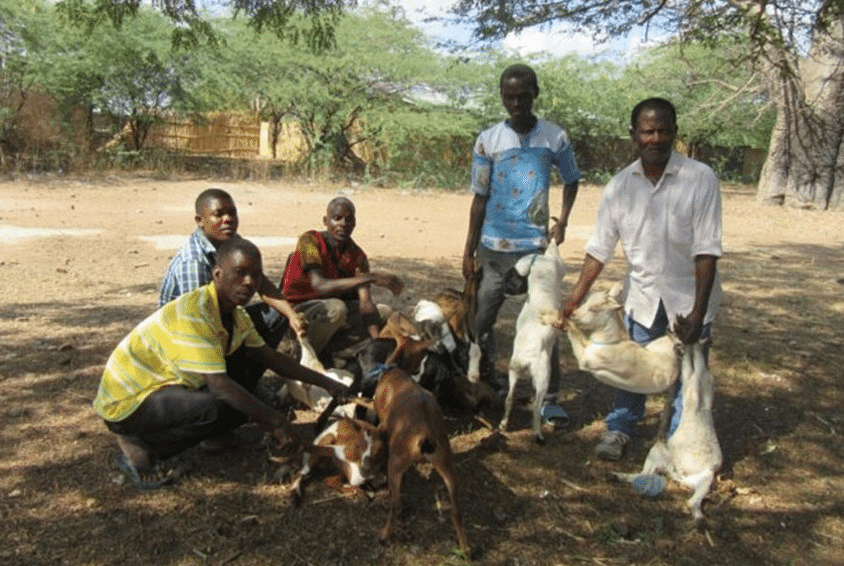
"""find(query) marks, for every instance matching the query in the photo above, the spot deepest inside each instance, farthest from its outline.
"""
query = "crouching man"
(166, 386)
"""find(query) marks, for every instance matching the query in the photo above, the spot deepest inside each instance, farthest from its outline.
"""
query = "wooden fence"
(228, 135)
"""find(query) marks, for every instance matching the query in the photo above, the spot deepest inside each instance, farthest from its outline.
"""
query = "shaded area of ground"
(68, 300)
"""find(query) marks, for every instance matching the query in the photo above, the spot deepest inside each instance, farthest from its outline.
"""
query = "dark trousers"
(173, 418)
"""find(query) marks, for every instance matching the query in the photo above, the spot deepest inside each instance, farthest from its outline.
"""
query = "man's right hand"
(569, 306)
(282, 435)
(468, 266)
(299, 324)
(389, 281)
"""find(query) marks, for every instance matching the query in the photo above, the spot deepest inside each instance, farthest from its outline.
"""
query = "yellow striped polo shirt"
(175, 345)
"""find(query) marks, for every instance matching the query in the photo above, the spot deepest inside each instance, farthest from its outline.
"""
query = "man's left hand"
(688, 328)
(299, 324)
(558, 231)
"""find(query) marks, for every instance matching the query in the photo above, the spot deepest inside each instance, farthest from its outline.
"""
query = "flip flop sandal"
(146, 480)
(555, 415)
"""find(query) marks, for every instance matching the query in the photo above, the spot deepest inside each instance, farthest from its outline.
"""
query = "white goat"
(602, 346)
(314, 397)
(430, 316)
(692, 455)
(535, 337)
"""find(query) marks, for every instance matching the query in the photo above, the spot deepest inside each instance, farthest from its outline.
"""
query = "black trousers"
(173, 419)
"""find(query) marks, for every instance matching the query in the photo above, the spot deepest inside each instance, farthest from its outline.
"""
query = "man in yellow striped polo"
(165, 387)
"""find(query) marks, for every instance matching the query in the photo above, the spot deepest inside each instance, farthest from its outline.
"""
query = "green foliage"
(355, 95)
(588, 97)
(311, 22)
(130, 73)
(20, 23)
(378, 102)
(425, 147)
(718, 103)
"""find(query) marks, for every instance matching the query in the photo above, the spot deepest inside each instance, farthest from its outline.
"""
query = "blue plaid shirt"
(189, 269)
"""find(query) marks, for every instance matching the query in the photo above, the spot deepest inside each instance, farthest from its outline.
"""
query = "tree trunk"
(805, 163)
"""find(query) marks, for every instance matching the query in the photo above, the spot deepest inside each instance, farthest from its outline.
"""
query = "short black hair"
(654, 103)
(519, 71)
(337, 201)
(207, 196)
(234, 245)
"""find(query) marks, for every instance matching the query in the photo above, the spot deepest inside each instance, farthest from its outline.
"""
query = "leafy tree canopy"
(312, 22)
(789, 22)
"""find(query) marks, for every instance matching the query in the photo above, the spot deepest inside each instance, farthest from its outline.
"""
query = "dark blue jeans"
(629, 408)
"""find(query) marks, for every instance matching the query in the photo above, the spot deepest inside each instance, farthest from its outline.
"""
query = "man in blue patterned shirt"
(509, 215)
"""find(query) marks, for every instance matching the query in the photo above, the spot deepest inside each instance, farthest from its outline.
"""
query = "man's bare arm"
(477, 213)
(558, 230)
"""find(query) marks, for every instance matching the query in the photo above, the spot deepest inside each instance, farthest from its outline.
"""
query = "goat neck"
(611, 333)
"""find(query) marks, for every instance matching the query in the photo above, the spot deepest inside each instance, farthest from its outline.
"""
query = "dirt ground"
(80, 267)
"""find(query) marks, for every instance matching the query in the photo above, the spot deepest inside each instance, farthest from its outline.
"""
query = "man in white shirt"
(665, 209)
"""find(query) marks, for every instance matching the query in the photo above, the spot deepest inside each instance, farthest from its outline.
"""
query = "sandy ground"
(81, 265)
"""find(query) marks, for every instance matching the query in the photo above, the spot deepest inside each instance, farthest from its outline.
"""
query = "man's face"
(218, 220)
(517, 96)
(237, 278)
(654, 136)
(340, 222)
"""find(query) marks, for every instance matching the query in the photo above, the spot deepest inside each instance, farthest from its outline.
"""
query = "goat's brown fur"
(413, 425)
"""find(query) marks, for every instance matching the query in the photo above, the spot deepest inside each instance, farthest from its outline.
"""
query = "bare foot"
(135, 453)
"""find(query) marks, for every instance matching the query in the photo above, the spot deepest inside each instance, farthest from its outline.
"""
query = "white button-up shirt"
(662, 229)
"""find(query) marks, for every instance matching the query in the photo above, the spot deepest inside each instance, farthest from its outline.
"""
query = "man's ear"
(217, 272)
(198, 219)
(536, 92)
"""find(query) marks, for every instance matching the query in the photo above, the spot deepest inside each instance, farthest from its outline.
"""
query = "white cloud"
(556, 41)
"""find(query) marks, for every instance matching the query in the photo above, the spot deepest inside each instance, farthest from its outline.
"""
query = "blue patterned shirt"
(190, 268)
(514, 171)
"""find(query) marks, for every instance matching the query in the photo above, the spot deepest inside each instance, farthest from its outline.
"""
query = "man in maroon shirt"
(327, 279)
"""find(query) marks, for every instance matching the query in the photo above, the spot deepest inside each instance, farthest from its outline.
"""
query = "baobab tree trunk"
(805, 163)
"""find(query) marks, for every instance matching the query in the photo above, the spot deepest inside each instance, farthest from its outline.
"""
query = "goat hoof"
(539, 440)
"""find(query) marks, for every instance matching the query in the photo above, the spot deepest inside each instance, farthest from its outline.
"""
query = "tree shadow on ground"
(776, 356)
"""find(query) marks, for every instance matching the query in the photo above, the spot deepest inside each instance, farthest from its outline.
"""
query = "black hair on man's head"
(234, 245)
(207, 196)
(337, 201)
(519, 71)
(652, 104)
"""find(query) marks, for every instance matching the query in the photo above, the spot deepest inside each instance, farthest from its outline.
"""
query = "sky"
(556, 40)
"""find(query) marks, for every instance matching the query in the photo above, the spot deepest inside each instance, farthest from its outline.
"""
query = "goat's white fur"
(602, 346)
(356, 472)
(692, 455)
(474, 372)
(430, 312)
(535, 337)
(314, 397)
